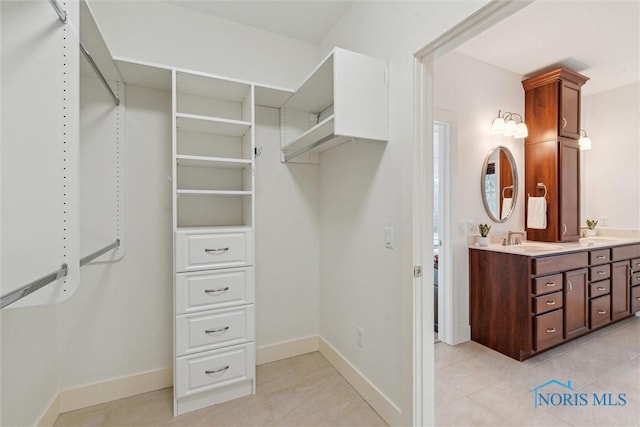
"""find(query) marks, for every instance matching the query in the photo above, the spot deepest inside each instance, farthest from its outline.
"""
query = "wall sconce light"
(584, 141)
(506, 125)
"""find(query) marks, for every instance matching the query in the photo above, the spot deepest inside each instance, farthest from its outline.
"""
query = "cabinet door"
(569, 119)
(575, 303)
(620, 275)
(569, 209)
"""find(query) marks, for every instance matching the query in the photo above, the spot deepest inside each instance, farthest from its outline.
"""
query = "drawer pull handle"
(602, 273)
(551, 330)
(600, 257)
(600, 288)
(602, 312)
(551, 302)
(564, 123)
(216, 291)
(218, 251)
(216, 331)
(570, 285)
(549, 284)
(215, 371)
(637, 298)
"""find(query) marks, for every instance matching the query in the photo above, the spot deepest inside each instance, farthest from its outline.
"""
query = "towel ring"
(541, 186)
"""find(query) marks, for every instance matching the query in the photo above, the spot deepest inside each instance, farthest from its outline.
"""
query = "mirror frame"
(514, 173)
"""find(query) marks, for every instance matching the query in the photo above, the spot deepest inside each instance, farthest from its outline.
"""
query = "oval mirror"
(499, 184)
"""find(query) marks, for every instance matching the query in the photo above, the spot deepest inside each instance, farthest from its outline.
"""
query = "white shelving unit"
(344, 98)
(213, 182)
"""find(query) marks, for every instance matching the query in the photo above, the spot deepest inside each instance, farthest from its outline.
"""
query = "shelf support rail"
(29, 288)
(99, 252)
(93, 64)
(61, 13)
(308, 148)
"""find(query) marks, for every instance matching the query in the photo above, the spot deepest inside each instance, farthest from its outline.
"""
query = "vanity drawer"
(635, 299)
(201, 250)
(546, 284)
(635, 264)
(548, 329)
(206, 290)
(635, 278)
(597, 289)
(620, 253)
(600, 310)
(214, 369)
(548, 302)
(222, 328)
(600, 272)
(601, 256)
(557, 263)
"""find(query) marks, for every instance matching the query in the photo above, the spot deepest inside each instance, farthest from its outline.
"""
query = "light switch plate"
(388, 238)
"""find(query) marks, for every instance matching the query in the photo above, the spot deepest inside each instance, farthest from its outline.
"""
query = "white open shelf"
(211, 125)
(322, 135)
(187, 192)
(211, 162)
(208, 85)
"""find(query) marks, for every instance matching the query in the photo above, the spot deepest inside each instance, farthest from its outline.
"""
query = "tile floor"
(300, 391)
(474, 386)
(478, 386)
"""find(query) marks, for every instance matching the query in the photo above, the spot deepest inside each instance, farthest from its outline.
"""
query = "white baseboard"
(106, 391)
(286, 349)
(388, 410)
(50, 415)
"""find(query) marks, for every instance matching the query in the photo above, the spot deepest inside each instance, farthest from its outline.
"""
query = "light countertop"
(533, 248)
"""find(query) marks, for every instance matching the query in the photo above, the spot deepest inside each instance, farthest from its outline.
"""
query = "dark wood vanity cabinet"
(521, 305)
(552, 153)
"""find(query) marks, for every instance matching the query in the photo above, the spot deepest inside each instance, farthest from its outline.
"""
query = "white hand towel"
(537, 213)
(506, 207)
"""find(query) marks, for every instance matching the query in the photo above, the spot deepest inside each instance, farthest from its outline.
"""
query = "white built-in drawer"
(214, 369)
(198, 249)
(206, 290)
(220, 328)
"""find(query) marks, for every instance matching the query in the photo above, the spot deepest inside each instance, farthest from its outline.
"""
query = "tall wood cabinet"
(552, 153)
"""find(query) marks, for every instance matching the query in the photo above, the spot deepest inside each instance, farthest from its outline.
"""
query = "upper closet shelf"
(344, 98)
(211, 125)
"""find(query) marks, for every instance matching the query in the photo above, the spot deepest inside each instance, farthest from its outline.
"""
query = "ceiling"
(597, 38)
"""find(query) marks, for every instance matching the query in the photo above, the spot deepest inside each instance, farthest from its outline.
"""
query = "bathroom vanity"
(525, 299)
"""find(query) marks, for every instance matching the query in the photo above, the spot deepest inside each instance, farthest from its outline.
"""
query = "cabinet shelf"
(211, 162)
(187, 192)
(211, 125)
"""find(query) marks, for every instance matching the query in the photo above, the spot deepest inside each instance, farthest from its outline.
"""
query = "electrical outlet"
(360, 337)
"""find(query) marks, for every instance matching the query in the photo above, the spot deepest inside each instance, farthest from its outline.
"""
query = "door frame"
(423, 335)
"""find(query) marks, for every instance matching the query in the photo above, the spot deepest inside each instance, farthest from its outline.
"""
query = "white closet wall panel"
(39, 149)
(102, 166)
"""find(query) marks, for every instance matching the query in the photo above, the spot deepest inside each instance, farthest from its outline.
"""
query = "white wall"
(611, 169)
(474, 91)
(287, 240)
(366, 187)
(162, 33)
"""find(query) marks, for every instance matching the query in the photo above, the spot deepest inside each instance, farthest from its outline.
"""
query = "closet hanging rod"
(99, 252)
(25, 290)
(308, 148)
(86, 54)
(61, 13)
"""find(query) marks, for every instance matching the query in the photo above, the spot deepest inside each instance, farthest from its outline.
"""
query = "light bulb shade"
(510, 128)
(497, 127)
(521, 131)
(585, 143)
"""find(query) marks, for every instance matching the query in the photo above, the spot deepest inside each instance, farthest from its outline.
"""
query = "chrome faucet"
(518, 240)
